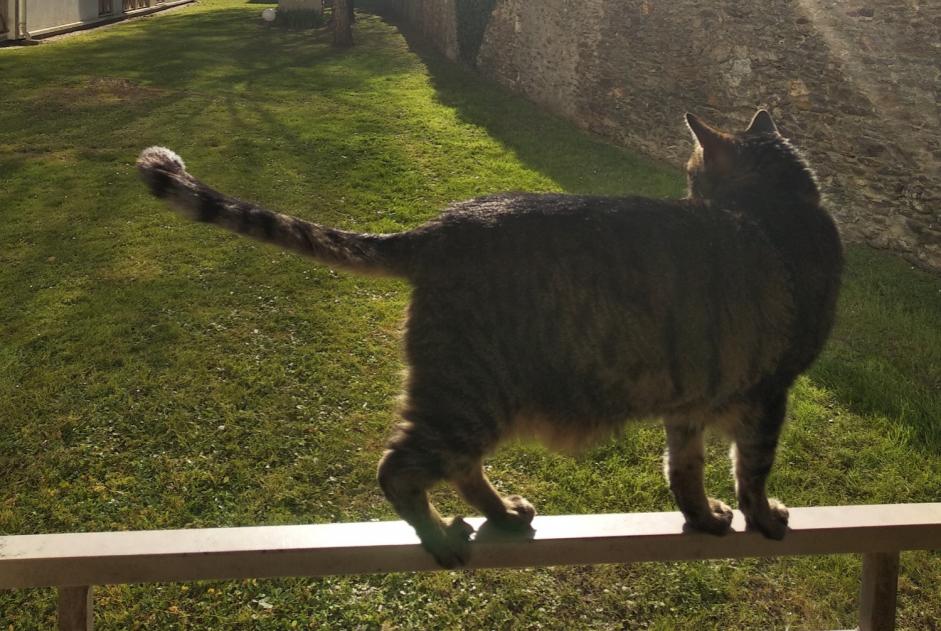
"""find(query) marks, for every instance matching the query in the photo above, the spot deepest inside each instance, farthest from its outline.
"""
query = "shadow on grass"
(884, 357)
(542, 141)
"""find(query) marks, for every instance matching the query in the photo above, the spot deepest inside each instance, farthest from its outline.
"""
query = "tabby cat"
(564, 316)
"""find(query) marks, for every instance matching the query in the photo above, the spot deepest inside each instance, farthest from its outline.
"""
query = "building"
(28, 19)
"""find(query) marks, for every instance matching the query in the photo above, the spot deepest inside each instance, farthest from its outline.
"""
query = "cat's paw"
(451, 545)
(718, 521)
(519, 514)
(772, 523)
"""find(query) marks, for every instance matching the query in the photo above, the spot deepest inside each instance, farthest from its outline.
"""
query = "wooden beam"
(363, 548)
(76, 608)
(878, 590)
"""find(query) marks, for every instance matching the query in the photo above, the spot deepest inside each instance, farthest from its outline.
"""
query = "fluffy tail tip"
(160, 158)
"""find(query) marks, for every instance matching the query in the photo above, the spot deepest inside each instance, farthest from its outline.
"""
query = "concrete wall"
(855, 84)
(42, 15)
(50, 17)
(6, 20)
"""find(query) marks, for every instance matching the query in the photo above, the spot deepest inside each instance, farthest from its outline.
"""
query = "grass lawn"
(155, 373)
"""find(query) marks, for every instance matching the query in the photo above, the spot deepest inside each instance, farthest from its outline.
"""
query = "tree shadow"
(222, 49)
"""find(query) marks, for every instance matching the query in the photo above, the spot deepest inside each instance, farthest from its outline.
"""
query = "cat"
(564, 316)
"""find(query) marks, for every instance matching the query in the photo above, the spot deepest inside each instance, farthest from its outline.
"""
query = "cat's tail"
(166, 175)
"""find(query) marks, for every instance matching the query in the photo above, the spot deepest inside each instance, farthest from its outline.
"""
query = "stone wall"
(436, 20)
(856, 85)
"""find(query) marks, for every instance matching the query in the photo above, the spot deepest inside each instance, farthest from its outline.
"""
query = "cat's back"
(514, 229)
(509, 210)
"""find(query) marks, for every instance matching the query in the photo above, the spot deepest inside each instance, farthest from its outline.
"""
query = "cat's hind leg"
(755, 442)
(405, 475)
(511, 513)
(683, 465)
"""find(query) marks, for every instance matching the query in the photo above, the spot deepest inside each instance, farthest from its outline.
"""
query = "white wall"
(42, 15)
(8, 15)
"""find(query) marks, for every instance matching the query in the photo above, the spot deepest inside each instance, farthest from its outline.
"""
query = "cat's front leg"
(683, 465)
(752, 454)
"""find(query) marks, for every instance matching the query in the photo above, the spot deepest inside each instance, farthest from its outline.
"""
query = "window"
(131, 5)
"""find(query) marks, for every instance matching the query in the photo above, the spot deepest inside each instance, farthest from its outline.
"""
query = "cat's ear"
(711, 140)
(761, 123)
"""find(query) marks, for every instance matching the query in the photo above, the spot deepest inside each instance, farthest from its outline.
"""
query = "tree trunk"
(342, 25)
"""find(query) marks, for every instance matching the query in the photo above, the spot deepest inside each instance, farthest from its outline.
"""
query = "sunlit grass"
(160, 374)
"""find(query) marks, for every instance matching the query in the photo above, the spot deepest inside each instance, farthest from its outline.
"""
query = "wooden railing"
(75, 562)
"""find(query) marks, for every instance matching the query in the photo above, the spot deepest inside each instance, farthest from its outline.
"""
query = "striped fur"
(165, 174)
(561, 317)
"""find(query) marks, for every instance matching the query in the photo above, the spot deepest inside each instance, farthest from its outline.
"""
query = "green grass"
(155, 373)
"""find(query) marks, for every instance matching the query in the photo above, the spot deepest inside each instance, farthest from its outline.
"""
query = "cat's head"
(752, 165)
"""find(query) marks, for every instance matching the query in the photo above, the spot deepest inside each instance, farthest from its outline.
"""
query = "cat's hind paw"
(718, 521)
(451, 546)
(519, 514)
(772, 523)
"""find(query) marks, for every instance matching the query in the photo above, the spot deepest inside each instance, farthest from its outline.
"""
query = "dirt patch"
(124, 89)
(100, 91)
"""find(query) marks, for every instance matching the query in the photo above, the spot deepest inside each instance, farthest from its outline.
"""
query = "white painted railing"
(77, 561)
